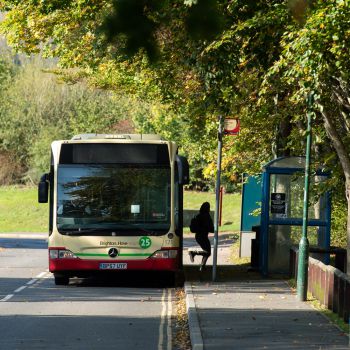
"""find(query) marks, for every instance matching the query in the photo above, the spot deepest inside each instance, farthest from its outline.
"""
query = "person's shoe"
(201, 268)
(191, 254)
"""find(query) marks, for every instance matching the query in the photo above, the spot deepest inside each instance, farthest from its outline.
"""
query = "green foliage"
(258, 65)
(20, 210)
(36, 109)
(339, 219)
(6, 69)
(39, 151)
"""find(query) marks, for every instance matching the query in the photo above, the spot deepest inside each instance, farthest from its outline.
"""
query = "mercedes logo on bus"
(113, 252)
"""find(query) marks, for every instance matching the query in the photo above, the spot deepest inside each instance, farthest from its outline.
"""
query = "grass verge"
(231, 207)
(20, 210)
(334, 318)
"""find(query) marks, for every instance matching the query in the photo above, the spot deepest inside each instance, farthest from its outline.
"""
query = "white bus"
(115, 203)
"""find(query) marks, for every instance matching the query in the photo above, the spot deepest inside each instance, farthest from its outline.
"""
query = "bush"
(35, 109)
(339, 220)
(10, 171)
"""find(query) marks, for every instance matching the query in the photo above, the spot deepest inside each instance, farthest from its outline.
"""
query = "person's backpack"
(194, 226)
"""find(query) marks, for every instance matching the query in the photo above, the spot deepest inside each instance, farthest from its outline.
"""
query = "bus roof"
(117, 136)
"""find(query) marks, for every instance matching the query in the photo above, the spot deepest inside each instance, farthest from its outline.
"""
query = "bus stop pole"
(217, 200)
(303, 258)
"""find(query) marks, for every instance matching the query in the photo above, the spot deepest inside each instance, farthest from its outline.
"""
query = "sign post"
(217, 194)
(230, 127)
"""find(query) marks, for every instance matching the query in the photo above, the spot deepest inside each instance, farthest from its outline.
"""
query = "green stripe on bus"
(140, 254)
(90, 254)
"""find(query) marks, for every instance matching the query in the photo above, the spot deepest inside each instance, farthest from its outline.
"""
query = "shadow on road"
(131, 279)
(23, 243)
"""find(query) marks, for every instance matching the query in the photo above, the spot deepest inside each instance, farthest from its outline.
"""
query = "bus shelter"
(282, 213)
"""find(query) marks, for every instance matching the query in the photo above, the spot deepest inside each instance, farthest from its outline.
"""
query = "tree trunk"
(348, 236)
(345, 163)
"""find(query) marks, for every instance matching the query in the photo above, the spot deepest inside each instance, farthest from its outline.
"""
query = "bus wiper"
(79, 231)
(136, 226)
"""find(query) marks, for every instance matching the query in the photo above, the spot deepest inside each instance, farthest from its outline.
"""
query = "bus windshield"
(113, 199)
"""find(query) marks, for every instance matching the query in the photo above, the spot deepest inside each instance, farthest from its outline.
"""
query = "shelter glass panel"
(283, 237)
(287, 197)
(288, 162)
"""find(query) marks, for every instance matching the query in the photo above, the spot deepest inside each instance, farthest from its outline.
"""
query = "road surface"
(87, 314)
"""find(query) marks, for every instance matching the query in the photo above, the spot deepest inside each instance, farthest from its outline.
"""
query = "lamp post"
(303, 258)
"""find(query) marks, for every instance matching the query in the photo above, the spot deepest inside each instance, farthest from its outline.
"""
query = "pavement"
(245, 311)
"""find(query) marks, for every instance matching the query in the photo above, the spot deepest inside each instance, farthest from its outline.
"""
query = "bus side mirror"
(183, 170)
(43, 189)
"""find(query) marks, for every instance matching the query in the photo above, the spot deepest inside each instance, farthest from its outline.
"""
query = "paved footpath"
(224, 249)
(255, 314)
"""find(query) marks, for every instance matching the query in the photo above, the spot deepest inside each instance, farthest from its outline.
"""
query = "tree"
(316, 58)
(258, 64)
(35, 109)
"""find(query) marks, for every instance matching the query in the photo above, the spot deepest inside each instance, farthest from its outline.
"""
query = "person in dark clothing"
(205, 225)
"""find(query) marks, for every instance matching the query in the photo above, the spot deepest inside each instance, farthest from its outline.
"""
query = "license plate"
(113, 266)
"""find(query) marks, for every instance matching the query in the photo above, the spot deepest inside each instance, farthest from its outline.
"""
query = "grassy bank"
(20, 211)
(231, 207)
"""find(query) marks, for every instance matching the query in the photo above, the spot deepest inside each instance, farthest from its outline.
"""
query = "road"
(87, 314)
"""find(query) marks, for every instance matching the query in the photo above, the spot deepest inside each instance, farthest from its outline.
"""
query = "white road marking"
(170, 309)
(41, 275)
(20, 289)
(165, 321)
(8, 297)
(32, 281)
(162, 320)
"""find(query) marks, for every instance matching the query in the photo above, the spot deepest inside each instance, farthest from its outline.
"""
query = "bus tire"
(61, 280)
(175, 279)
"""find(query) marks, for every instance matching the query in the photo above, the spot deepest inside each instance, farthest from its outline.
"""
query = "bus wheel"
(175, 279)
(61, 280)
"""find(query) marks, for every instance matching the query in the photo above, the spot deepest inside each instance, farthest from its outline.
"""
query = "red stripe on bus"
(56, 265)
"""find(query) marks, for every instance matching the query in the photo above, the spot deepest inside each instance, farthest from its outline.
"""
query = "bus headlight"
(66, 254)
(61, 254)
(53, 253)
(165, 254)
